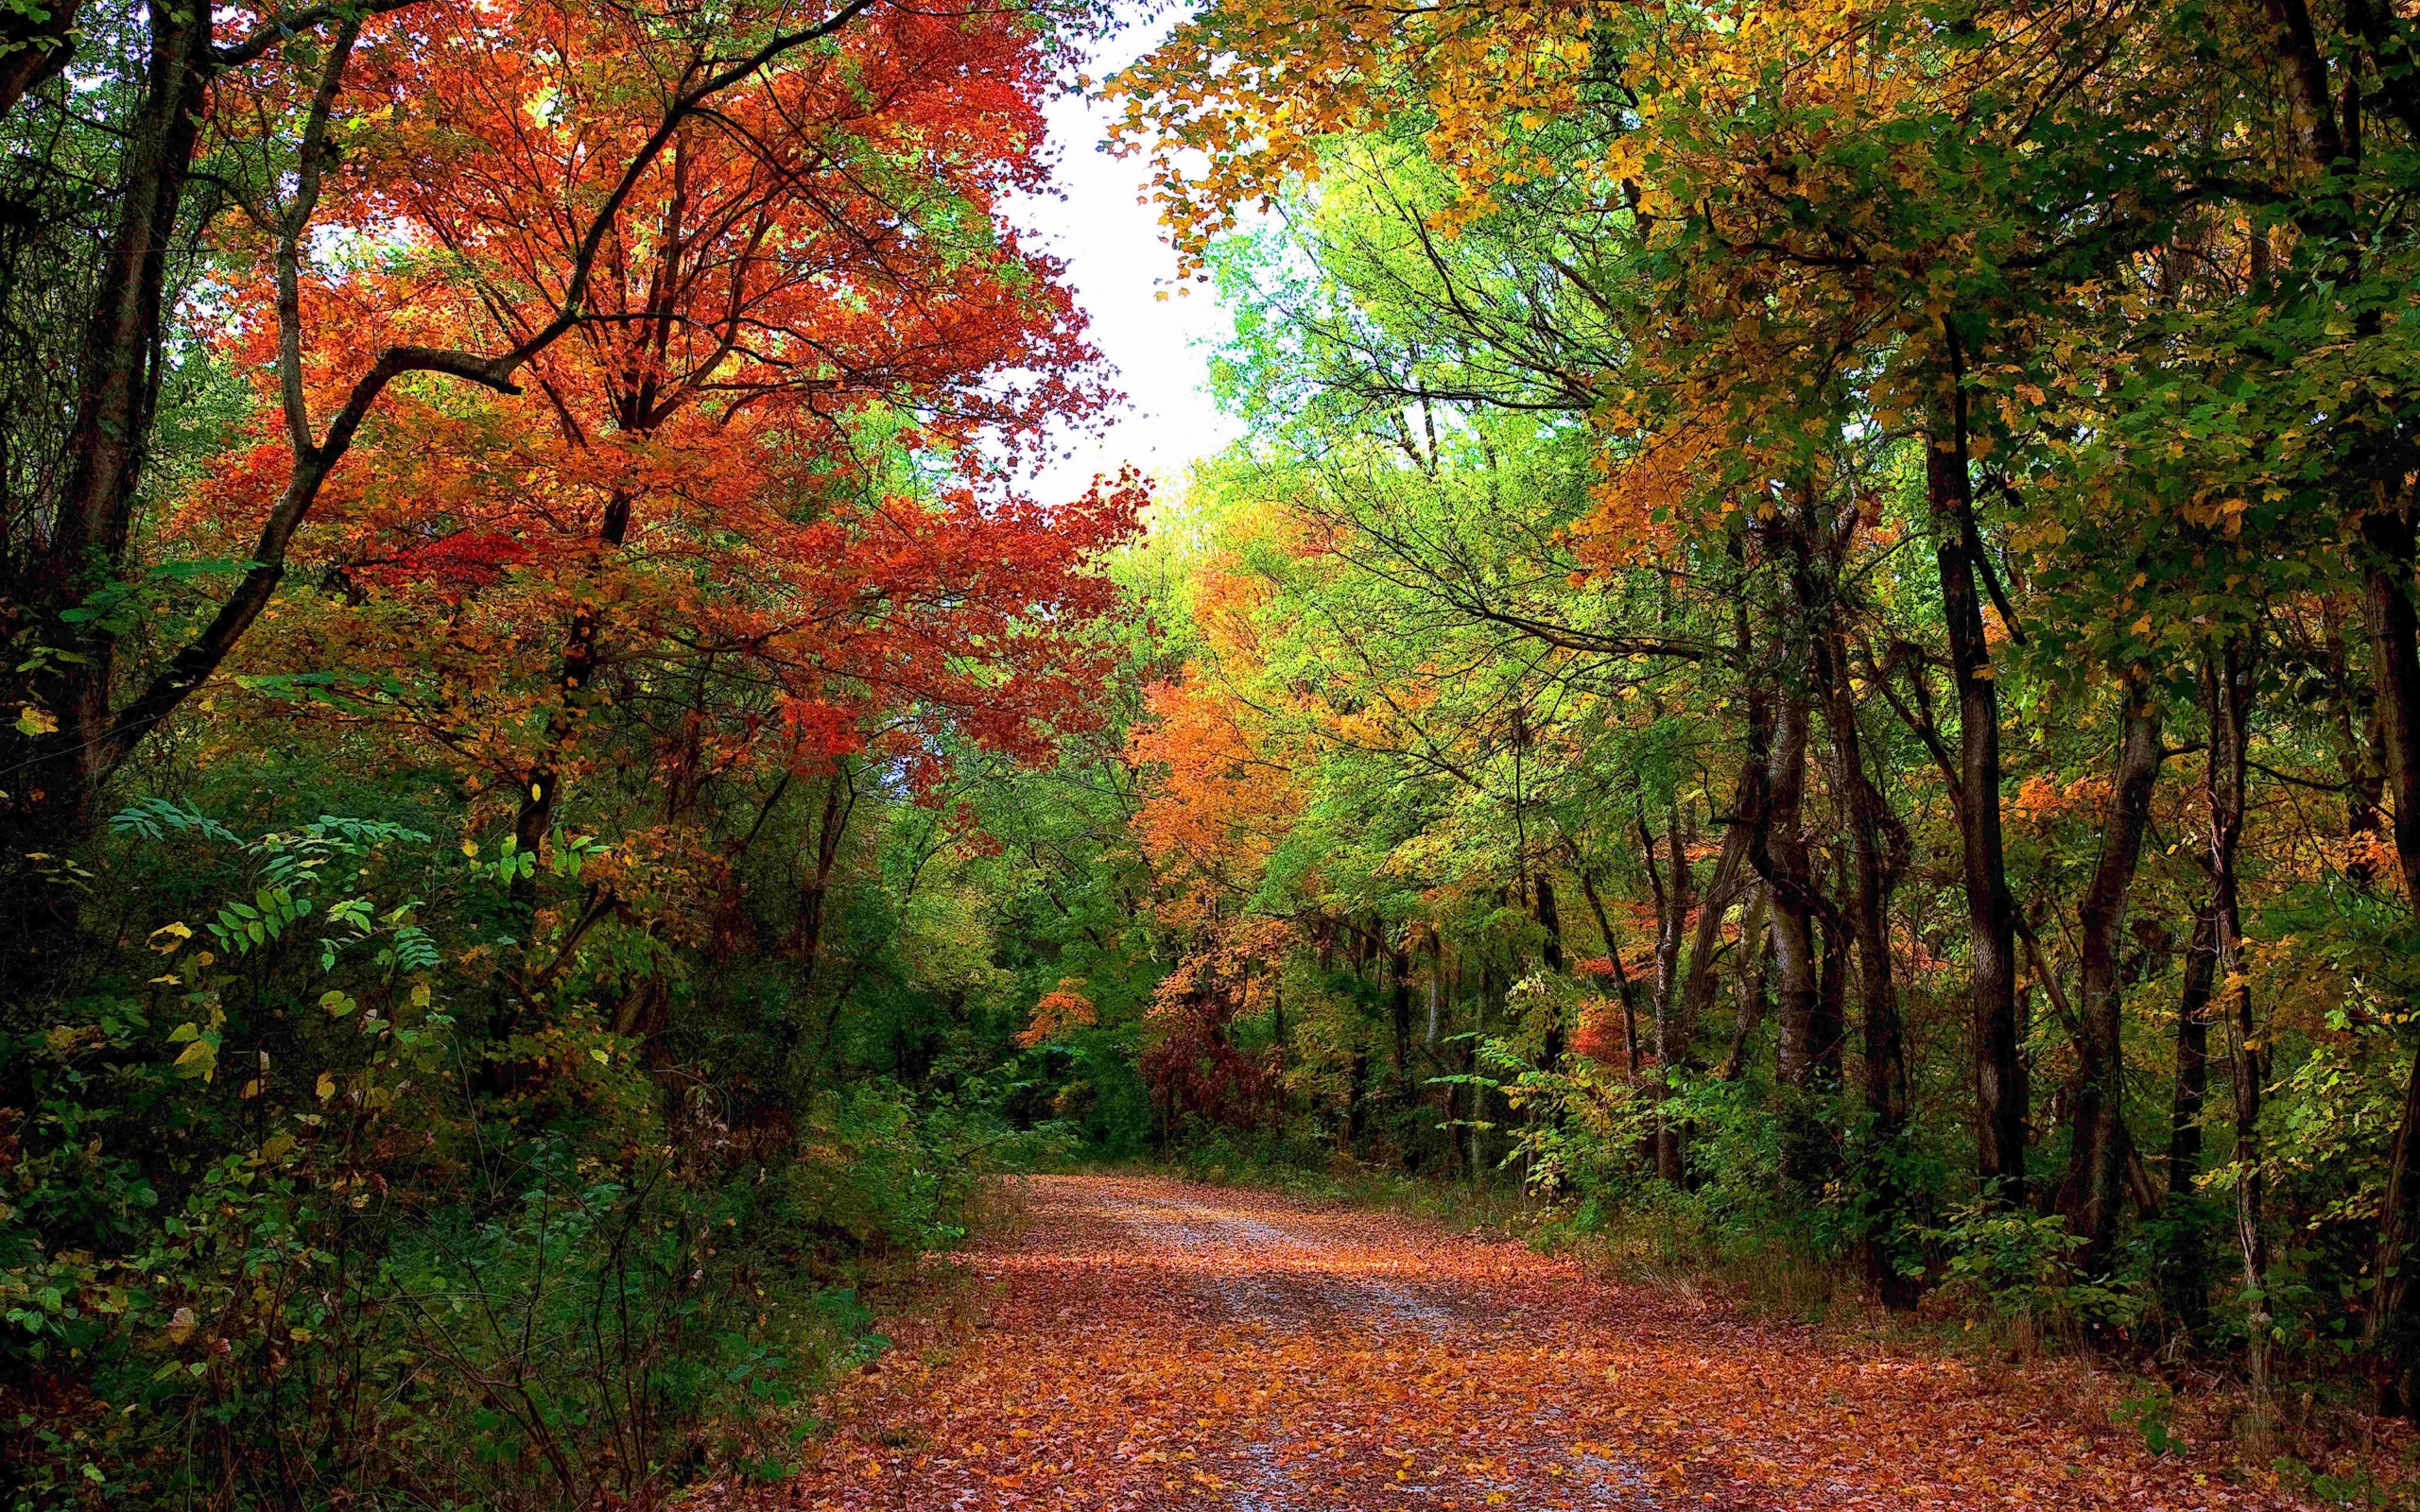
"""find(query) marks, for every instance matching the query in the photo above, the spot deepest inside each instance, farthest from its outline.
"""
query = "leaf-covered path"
(1146, 1343)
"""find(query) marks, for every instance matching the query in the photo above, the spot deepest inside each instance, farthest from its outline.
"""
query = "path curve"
(1143, 1343)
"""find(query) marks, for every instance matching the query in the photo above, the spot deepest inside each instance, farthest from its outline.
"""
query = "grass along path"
(1148, 1343)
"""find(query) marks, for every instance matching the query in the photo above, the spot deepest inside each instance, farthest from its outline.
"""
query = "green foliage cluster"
(291, 1218)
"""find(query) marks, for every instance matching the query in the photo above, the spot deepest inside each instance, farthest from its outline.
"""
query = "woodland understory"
(1807, 669)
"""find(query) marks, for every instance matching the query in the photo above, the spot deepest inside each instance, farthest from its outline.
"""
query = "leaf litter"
(1146, 1343)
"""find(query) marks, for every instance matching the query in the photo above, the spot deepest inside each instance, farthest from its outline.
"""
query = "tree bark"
(54, 777)
(2227, 697)
(33, 48)
(1791, 885)
(1672, 917)
(814, 899)
(1623, 987)
(1753, 930)
(2391, 1330)
(1399, 1005)
(1732, 871)
(2096, 1180)
(1877, 846)
(1999, 1106)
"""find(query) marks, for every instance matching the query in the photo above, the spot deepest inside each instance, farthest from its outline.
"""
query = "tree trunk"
(1753, 930)
(1399, 1006)
(2393, 1328)
(1623, 987)
(1877, 848)
(1671, 917)
(2097, 1173)
(1999, 1106)
(34, 46)
(47, 812)
(1550, 919)
(814, 896)
(1807, 1047)
(2186, 1278)
(1790, 884)
(2227, 697)
(1732, 871)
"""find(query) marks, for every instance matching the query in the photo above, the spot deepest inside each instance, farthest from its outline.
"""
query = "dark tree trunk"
(1399, 1010)
(1753, 930)
(541, 792)
(1829, 1032)
(48, 810)
(2227, 698)
(2186, 1276)
(1626, 988)
(2361, 760)
(1876, 850)
(1550, 921)
(815, 889)
(2097, 1173)
(2392, 1328)
(1732, 871)
(2000, 1105)
(33, 48)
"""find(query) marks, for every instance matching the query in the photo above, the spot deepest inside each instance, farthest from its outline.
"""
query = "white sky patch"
(1117, 263)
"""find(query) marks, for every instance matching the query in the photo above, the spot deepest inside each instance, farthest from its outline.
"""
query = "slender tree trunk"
(1671, 917)
(1875, 842)
(2192, 1050)
(1829, 1034)
(2227, 696)
(1790, 885)
(814, 898)
(2186, 1276)
(541, 792)
(1436, 981)
(1550, 919)
(1623, 987)
(2361, 760)
(1732, 872)
(2096, 1176)
(1399, 1010)
(1752, 931)
(1999, 1107)
(1805, 1048)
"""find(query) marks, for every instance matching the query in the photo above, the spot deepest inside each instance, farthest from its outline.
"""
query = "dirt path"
(1152, 1343)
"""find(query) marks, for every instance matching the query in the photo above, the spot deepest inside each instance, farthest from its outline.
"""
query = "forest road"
(1143, 1343)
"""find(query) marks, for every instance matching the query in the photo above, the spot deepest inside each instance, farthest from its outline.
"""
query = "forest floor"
(1143, 1343)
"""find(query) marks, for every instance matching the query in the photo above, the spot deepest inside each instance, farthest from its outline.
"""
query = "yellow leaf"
(169, 937)
(200, 1059)
(327, 1087)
